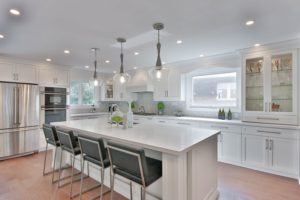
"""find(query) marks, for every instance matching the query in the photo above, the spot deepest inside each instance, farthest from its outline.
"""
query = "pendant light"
(95, 64)
(122, 77)
(158, 68)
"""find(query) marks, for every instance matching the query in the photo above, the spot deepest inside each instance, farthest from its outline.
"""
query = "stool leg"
(45, 159)
(73, 161)
(59, 173)
(82, 173)
(88, 169)
(130, 184)
(102, 183)
(53, 170)
(143, 193)
(112, 178)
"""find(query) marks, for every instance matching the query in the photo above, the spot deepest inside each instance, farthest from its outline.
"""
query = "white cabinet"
(270, 87)
(274, 150)
(255, 150)
(229, 148)
(21, 73)
(54, 78)
(170, 87)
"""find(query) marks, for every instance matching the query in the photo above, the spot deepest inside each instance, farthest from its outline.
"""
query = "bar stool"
(93, 151)
(52, 139)
(131, 163)
(68, 143)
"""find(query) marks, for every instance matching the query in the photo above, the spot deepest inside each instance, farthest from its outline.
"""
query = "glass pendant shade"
(122, 77)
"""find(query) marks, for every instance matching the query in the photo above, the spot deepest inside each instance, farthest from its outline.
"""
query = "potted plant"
(160, 107)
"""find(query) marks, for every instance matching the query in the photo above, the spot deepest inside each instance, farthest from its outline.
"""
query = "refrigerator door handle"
(15, 117)
(18, 106)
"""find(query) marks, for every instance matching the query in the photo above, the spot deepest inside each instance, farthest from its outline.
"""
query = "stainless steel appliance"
(55, 104)
(19, 119)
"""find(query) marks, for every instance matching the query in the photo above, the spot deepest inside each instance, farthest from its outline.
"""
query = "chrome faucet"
(93, 108)
(142, 110)
(112, 108)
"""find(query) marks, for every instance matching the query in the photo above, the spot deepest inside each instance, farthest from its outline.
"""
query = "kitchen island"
(188, 154)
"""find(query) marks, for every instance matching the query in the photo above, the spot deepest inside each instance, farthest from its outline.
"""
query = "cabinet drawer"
(269, 119)
(221, 127)
(265, 131)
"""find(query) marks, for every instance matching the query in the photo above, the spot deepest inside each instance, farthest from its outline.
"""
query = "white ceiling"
(47, 27)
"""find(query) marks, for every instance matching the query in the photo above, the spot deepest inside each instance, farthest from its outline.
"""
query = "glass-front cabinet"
(270, 88)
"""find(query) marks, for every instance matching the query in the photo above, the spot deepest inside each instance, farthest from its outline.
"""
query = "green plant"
(160, 105)
(133, 104)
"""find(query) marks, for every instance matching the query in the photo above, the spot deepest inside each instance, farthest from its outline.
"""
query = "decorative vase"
(129, 117)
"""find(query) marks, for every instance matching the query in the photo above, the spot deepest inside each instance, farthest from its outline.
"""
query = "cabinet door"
(46, 77)
(174, 84)
(7, 72)
(254, 74)
(230, 147)
(284, 155)
(62, 78)
(255, 150)
(283, 90)
(26, 73)
(161, 87)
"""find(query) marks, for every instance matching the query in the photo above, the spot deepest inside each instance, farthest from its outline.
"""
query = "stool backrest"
(50, 133)
(92, 147)
(129, 159)
(66, 138)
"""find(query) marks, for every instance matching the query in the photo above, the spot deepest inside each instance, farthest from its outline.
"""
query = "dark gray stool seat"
(131, 163)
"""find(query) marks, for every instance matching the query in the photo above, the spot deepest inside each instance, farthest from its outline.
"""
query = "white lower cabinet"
(229, 148)
(272, 150)
(255, 150)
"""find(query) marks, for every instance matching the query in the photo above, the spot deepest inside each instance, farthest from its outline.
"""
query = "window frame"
(80, 103)
(214, 71)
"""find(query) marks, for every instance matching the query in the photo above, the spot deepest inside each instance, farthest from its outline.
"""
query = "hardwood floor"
(21, 179)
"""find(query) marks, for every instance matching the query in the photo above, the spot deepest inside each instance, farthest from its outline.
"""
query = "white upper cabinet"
(21, 73)
(270, 88)
(170, 87)
(54, 78)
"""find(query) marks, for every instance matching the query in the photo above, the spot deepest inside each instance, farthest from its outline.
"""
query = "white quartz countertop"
(173, 139)
(88, 114)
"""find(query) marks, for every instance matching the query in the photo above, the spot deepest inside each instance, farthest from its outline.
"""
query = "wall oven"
(55, 105)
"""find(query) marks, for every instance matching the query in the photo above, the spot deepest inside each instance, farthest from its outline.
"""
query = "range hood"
(140, 82)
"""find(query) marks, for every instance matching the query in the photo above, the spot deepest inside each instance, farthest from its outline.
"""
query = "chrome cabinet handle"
(272, 132)
(266, 107)
(272, 152)
(270, 107)
(267, 118)
(162, 121)
(183, 123)
(267, 144)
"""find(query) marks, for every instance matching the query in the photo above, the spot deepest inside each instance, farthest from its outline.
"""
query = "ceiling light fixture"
(48, 59)
(257, 45)
(14, 12)
(135, 67)
(86, 66)
(158, 67)
(95, 65)
(1, 36)
(123, 77)
(107, 61)
(136, 53)
(179, 41)
(250, 23)
(67, 51)
(114, 71)
(201, 56)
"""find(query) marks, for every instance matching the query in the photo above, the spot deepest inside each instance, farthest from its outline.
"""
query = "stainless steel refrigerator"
(19, 119)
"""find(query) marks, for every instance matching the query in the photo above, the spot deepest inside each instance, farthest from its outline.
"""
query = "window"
(82, 93)
(214, 90)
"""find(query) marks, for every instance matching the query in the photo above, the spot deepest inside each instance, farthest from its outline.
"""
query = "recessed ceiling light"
(107, 61)
(179, 41)
(1, 36)
(250, 23)
(163, 63)
(86, 66)
(136, 53)
(114, 71)
(48, 59)
(201, 55)
(67, 51)
(257, 45)
(14, 12)
(135, 67)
